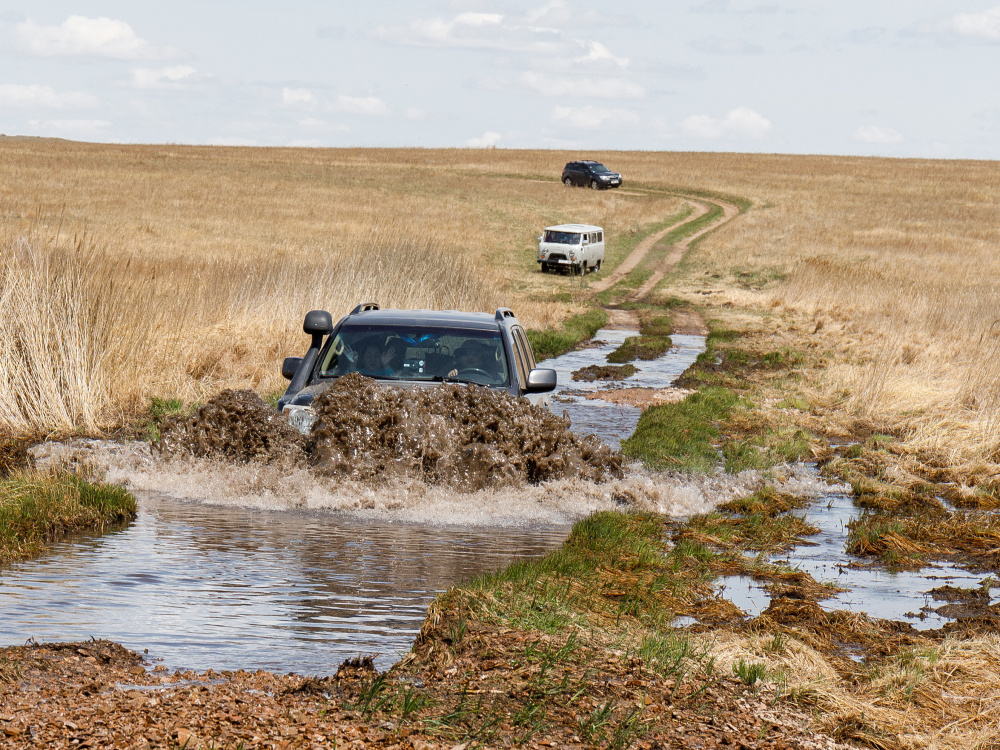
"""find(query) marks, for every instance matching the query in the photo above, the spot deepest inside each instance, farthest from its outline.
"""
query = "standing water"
(203, 581)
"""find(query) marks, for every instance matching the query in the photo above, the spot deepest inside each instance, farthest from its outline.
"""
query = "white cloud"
(877, 134)
(603, 88)
(177, 77)
(598, 53)
(298, 98)
(476, 31)
(985, 25)
(72, 128)
(486, 140)
(590, 117)
(27, 97)
(741, 122)
(94, 37)
(415, 113)
(361, 105)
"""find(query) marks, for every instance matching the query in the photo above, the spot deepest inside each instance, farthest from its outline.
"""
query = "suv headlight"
(302, 418)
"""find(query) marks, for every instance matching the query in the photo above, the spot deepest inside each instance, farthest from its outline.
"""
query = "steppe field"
(173, 271)
(853, 315)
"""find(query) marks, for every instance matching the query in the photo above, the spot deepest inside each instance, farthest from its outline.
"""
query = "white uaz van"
(577, 246)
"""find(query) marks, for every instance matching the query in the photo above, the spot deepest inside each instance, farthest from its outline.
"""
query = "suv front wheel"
(594, 185)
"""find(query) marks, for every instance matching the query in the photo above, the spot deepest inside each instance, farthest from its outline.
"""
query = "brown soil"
(641, 397)
(96, 694)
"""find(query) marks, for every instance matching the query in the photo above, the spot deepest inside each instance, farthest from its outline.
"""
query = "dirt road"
(686, 321)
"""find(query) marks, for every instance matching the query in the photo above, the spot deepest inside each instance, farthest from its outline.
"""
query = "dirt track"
(686, 321)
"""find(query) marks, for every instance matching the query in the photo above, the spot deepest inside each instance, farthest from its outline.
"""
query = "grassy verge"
(36, 508)
(553, 342)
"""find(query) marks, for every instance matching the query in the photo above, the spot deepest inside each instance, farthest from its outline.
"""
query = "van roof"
(575, 228)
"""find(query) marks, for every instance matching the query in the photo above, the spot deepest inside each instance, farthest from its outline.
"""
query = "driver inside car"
(471, 357)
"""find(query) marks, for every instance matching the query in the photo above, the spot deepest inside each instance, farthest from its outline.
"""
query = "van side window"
(600, 236)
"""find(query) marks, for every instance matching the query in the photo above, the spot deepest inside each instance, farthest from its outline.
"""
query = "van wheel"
(545, 267)
(594, 185)
(598, 266)
(568, 182)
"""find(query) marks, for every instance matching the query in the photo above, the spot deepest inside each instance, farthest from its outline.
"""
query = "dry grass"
(887, 267)
(135, 271)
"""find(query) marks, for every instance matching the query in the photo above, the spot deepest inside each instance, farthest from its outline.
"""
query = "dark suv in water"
(411, 348)
(590, 174)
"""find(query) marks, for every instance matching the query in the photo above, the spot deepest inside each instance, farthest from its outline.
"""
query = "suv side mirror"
(540, 380)
(290, 366)
(317, 322)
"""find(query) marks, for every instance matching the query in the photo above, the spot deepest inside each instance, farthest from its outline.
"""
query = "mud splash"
(465, 437)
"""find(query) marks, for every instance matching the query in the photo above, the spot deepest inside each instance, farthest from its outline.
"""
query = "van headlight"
(302, 418)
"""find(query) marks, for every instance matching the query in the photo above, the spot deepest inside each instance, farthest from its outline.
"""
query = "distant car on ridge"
(592, 174)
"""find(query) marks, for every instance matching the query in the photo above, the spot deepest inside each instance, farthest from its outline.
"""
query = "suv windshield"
(599, 168)
(416, 353)
(562, 238)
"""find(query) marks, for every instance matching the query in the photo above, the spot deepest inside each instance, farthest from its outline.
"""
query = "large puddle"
(270, 566)
(228, 588)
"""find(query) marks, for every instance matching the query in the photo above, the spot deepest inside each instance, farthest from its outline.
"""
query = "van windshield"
(387, 352)
(562, 238)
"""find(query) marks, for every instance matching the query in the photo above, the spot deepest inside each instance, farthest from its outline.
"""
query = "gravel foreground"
(97, 694)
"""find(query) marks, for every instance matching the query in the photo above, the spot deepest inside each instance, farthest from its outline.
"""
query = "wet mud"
(234, 426)
(466, 437)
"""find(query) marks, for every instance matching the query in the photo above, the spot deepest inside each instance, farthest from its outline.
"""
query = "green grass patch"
(555, 341)
(682, 435)
(36, 508)
(640, 348)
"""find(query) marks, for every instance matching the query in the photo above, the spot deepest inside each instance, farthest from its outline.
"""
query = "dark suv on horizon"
(592, 174)
(412, 348)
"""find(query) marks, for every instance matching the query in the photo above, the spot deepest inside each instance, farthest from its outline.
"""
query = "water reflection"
(230, 588)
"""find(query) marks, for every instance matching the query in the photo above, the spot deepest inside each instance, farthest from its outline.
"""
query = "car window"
(526, 345)
(387, 352)
(562, 238)
(520, 360)
(599, 169)
(600, 236)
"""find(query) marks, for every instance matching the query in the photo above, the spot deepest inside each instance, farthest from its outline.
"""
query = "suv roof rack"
(365, 307)
(504, 312)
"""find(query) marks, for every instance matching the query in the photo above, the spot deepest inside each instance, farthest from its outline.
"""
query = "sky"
(904, 78)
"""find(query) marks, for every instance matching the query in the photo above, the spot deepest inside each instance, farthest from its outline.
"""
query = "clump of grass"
(640, 347)
(35, 508)
(682, 435)
(766, 501)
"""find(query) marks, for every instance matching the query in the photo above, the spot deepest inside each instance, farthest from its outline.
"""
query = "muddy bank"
(460, 436)
(97, 694)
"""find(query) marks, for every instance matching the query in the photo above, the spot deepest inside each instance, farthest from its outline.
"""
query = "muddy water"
(614, 422)
(250, 558)
(227, 588)
(905, 596)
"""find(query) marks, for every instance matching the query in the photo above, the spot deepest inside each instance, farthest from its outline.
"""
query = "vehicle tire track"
(642, 249)
(729, 212)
